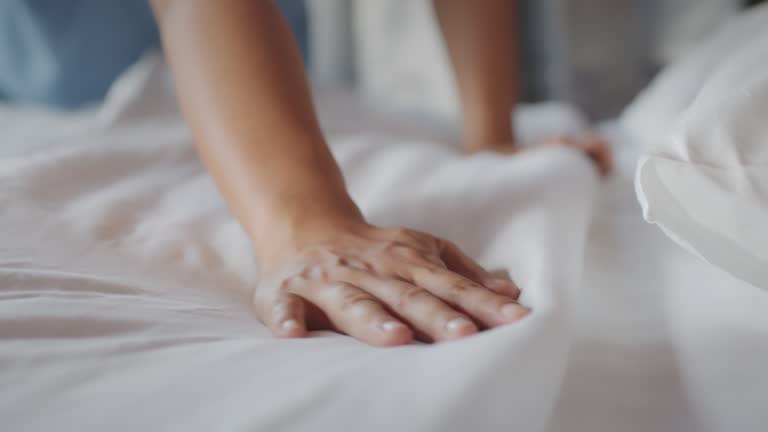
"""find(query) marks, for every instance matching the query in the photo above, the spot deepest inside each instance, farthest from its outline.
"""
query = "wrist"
(488, 132)
(508, 147)
(299, 221)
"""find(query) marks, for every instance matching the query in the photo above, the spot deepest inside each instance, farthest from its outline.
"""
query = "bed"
(125, 305)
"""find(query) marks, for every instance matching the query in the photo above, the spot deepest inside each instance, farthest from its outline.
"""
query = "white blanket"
(124, 289)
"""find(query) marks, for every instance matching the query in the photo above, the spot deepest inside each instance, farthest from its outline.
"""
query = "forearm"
(481, 37)
(242, 88)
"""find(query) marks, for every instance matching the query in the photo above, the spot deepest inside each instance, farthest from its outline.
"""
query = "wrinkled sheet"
(662, 341)
(124, 281)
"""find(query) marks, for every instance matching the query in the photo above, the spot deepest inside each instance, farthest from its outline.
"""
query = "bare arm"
(482, 40)
(242, 88)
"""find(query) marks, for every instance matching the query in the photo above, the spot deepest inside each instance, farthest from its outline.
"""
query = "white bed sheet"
(662, 341)
(124, 301)
(124, 305)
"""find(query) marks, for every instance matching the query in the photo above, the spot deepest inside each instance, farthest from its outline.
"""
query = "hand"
(382, 286)
(592, 144)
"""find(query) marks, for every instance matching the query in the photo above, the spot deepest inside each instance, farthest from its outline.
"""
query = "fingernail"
(514, 310)
(289, 325)
(391, 326)
(459, 323)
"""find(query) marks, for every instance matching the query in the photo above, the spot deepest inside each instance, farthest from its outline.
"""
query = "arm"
(241, 85)
(481, 37)
(242, 88)
(482, 40)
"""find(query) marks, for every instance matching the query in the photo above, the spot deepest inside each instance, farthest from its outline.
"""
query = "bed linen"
(706, 185)
(656, 110)
(125, 284)
(124, 288)
(661, 340)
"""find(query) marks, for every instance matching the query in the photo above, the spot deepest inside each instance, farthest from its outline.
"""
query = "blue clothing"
(68, 52)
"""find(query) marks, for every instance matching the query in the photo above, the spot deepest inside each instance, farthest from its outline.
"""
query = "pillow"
(654, 112)
(706, 185)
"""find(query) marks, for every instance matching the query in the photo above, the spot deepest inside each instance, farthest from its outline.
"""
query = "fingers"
(594, 146)
(414, 285)
(457, 261)
(604, 156)
(285, 316)
(358, 314)
(489, 308)
(598, 150)
(426, 313)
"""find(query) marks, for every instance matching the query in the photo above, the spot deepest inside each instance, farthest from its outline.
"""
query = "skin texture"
(482, 41)
(242, 88)
(481, 38)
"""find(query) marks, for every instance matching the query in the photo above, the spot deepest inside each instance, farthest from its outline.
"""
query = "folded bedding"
(706, 183)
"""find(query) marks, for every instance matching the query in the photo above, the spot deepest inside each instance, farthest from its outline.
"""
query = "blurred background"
(596, 54)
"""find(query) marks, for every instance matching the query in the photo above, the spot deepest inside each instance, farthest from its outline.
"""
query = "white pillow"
(706, 185)
(656, 110)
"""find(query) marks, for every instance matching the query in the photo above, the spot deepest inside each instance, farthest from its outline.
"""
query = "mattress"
(125, 287)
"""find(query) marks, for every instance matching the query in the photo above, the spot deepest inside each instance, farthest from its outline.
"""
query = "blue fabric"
(68, 52)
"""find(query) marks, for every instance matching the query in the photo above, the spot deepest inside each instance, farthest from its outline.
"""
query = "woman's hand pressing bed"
(382, 286)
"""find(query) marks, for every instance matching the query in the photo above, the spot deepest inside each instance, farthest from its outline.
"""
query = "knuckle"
(433, 269)
(411, 294)
(359, 264)
(316, 272)
(392, 247)
(419, 235)
(405, 236)
(400, 233)
(293, 283)
(432, 242)
(460, 287)
(315, 253)
(456, 291)
(339, 260)
(411, 254)
(356, 300)
(447, 245)
(427, 242)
